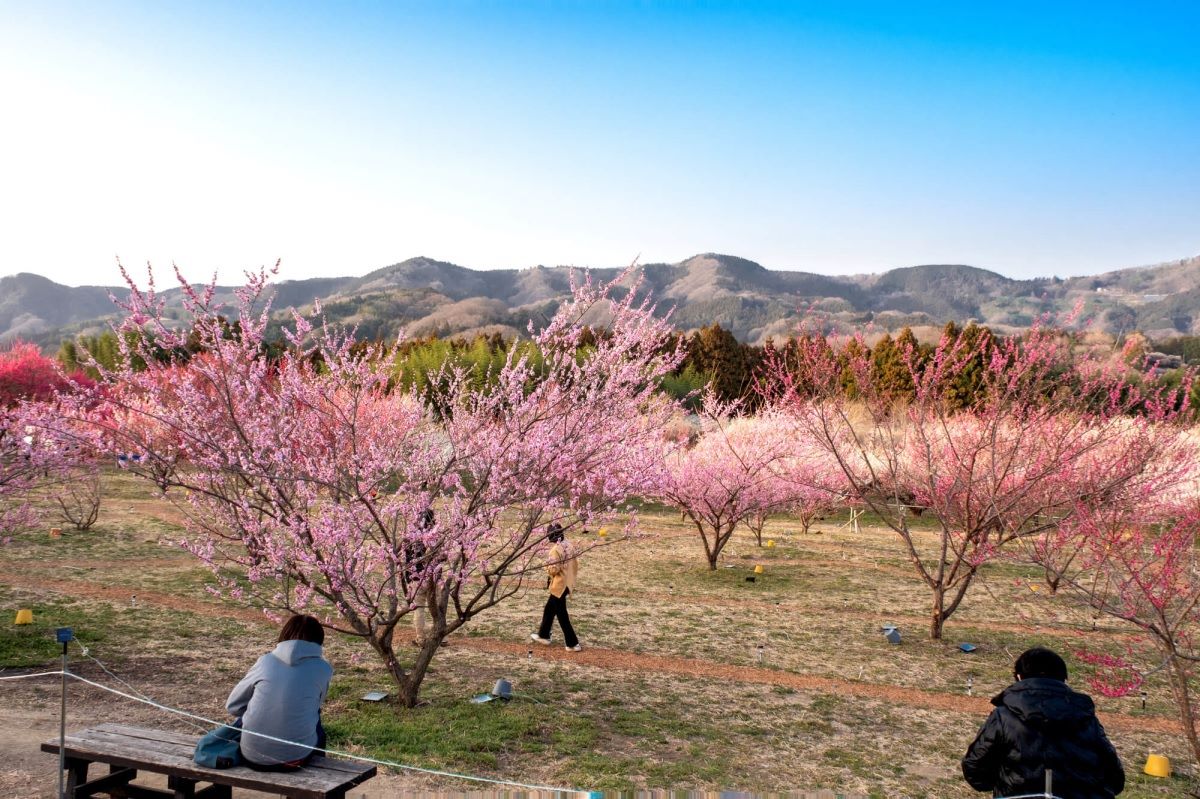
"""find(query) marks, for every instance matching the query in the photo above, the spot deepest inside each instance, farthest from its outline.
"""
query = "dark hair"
(1040, 662)
(555, 533)
(427, 519)
(302, 628)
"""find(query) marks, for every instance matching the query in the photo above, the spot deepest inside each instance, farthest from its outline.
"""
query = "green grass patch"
(448, 731)
(33, 645)
(100, 625)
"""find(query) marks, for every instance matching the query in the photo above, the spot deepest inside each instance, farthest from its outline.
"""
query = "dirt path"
(723, 672)
(147, 563)
(611, 658)
(174, 602)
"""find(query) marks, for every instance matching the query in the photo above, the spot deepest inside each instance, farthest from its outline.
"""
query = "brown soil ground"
(609, 658)
(871, 576)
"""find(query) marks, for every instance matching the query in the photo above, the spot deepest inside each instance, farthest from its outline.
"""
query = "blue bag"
(219, 748)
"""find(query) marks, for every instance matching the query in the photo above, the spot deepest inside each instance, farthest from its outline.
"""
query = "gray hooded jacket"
(281, 695)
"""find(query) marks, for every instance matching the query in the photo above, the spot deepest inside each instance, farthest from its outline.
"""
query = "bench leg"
(115, 784)
(118, 791)
(76, 774)
(182, 788)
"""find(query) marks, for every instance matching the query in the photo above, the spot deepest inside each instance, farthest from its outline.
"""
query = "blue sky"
(1028, 138)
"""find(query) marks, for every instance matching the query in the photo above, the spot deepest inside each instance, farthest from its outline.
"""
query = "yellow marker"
(758, 569)
(602, 532)
(770, 543)
(1158, 766)
(24, 616)
(1033, 588)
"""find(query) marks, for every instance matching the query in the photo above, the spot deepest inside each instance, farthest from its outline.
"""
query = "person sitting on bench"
(281, 696)
(1041, 725)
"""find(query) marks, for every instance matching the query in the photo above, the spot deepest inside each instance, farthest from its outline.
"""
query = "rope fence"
(330, 752)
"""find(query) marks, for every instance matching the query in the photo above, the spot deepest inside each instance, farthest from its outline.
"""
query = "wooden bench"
(128, 750)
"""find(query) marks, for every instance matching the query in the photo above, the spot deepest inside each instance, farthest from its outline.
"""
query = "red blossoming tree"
(28, 375)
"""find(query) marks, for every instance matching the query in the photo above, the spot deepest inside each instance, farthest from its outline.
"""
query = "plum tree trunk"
(408, 681)
(1179, 670)
(756, 525)
(938, 615)
(944, 606)
(720, 537)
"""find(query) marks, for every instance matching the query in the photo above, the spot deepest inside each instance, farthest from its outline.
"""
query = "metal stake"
(1049, 784)
(62, 727)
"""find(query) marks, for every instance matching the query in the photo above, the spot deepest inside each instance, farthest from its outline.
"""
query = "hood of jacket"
(292, 652)
(1042, 702)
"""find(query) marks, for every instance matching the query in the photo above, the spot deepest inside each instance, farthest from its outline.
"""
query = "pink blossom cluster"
(1112, 676)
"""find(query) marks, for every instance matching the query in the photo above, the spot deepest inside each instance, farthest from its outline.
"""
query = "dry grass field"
(669, 692)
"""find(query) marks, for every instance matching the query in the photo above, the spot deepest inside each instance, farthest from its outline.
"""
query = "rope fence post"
(64, 636)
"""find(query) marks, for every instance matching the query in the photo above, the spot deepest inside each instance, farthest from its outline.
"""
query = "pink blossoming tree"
(730, 475)
(815, 483)
(311, 476)
(1028, 448)
(23, 465)
(805, 482)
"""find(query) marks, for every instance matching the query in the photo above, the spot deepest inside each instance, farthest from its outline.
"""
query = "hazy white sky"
(344, 137)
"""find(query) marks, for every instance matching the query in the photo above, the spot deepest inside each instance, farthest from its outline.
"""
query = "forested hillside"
(423, 296)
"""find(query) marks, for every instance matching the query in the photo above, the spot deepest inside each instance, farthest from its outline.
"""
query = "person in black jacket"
(1040, 724)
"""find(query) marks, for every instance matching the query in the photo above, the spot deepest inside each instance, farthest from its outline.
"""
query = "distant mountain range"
(422, 296)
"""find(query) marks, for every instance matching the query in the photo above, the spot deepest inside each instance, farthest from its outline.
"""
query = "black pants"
(556, 607)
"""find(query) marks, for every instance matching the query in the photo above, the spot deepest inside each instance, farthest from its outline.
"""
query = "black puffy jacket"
(1039, 723)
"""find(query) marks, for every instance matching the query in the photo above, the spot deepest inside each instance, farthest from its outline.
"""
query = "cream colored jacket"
(563, 565)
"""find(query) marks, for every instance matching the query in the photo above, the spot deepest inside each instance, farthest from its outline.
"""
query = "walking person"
(562, 566)
(1041, 725)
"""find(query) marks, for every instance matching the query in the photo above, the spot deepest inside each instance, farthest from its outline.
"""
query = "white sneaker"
(543, 641)
(576, 648)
